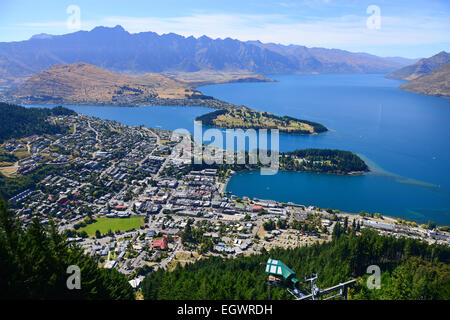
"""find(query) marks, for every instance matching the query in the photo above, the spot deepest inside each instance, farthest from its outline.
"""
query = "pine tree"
(336, 230)
(345, 224)
(34, 262)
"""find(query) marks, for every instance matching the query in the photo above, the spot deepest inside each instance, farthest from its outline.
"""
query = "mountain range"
(119, 51)
(430, 76)
(423, 66)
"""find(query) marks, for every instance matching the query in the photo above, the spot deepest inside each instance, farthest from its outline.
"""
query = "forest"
(34, 262)
(18, 122)
(410, 270)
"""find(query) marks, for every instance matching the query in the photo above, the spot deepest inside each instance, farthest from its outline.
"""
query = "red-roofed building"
(160, 243)
(257, 207)
(63, 201)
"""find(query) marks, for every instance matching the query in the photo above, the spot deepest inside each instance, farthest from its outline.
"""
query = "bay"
(163, 117)
(403, 136)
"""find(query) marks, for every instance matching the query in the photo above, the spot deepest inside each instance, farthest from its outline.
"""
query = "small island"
(326, 161)
(245, 118)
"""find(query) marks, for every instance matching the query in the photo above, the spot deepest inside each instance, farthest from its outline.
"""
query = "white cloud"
(339, 32)
(342, 31)
(40, 25)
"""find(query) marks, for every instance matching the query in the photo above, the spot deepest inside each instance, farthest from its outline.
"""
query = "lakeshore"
(370, 116)
(409, 177)
(128, 197)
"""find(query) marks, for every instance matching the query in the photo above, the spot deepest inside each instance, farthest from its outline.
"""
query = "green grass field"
(115, 224)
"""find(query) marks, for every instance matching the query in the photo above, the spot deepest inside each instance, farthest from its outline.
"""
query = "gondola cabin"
(280, 274)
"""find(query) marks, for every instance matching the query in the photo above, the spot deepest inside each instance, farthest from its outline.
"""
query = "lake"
(163, 117)
(404, 137)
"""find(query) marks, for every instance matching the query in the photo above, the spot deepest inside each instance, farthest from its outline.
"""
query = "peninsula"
(245, 118)
(327, 161)
(86, 84)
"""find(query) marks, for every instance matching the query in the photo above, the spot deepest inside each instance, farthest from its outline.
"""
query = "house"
(63, 201)
(110, 264)
(160, 243)
(378, 225)
(136, 283)
(170, 231)
(100, 154)
(435, 234)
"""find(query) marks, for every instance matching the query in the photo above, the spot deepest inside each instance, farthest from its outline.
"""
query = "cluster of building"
(103, 169)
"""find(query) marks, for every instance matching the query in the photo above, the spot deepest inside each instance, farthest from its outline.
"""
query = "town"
(130, 197)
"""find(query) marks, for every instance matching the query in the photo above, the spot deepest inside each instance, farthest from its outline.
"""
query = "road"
(164, 263)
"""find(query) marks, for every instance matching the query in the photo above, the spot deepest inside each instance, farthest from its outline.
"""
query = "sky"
(411, 29)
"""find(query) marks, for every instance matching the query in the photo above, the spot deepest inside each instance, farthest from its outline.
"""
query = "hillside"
(120, 51)
(421, 67)
(82, 83)
(34, 263)
(19, 122)
(410, 270)
(435, 83)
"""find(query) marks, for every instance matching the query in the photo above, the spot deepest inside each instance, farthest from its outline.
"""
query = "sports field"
(114, 224)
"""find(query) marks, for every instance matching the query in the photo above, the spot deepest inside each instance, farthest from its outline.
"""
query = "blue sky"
(404, 28)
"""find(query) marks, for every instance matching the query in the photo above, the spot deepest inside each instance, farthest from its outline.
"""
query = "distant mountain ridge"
(423, 66)
(120, 51)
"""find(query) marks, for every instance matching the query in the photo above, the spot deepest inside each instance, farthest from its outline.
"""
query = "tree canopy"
(34, 262)
(424, 268)
(18, 122)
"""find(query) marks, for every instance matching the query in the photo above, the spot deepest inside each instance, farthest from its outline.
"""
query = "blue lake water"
(404, 137)
(163, 117)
